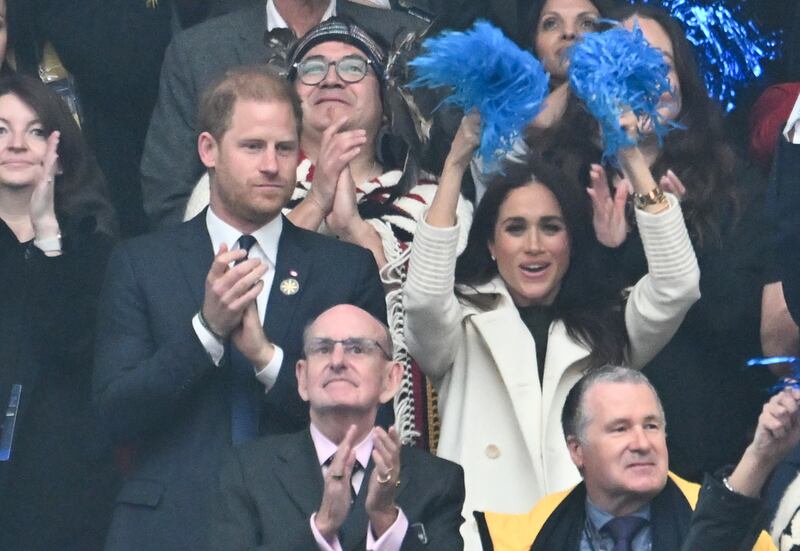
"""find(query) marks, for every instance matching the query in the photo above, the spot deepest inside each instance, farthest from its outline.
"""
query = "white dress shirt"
(264, 249)
(276, 21)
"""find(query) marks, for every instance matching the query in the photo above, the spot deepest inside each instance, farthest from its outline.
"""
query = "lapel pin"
(289, 286)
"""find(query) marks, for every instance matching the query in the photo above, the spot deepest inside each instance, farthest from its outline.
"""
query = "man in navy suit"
(200, 325)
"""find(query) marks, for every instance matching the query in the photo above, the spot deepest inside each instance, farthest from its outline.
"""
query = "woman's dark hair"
(80, 194)
(590, 299)
(530, 22)
(697, 153)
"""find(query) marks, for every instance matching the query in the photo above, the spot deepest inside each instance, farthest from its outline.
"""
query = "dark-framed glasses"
(313, 70)
(353, 347)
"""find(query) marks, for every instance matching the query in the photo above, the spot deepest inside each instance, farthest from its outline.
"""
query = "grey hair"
(387, 334)
(573, 416)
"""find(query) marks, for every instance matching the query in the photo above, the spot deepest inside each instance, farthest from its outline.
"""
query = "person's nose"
(337, 356)
(269, 161)
(17, 141)
(533, 243)
(570, 31)
(331, 77)
(640, 440)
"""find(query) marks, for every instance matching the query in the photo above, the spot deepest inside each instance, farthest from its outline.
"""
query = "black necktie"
(623, 530)
(244, 390)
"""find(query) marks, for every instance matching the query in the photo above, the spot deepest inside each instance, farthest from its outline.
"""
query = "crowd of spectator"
(241, 311)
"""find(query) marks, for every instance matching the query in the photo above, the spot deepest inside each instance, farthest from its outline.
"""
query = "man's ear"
(208, 149)
(300, 372)
(391, 381)
(575, 451)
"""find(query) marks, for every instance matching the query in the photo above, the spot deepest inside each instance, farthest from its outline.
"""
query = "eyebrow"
(32, 123)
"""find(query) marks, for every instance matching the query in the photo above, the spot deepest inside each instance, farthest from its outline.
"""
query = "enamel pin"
(290, 286)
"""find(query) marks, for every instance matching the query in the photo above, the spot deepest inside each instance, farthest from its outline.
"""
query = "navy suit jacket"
(156, 387)
(268, 489)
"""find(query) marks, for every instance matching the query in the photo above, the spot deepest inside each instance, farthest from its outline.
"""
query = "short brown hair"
(255, 82)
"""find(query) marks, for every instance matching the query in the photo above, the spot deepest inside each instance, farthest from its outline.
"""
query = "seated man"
(615, 430)
(343, 482)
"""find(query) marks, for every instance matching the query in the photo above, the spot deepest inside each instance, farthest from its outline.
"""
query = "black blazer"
(155, 386)
(268, 489)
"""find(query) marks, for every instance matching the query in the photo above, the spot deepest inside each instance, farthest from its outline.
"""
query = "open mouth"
(534, 268)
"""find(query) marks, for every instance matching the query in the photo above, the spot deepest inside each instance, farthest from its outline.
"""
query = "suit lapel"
(195, 256)
(293, 263)
(252, 26)
(300, 474)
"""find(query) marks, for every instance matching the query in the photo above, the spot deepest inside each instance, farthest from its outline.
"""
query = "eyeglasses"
(313, 70)
(354, 348)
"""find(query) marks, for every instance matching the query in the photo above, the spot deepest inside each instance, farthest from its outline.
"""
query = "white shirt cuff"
(268, 374)
(321, 543)
(392, 539)
(214, 347)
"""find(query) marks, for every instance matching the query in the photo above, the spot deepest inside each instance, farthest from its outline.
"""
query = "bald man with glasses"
(342, 483)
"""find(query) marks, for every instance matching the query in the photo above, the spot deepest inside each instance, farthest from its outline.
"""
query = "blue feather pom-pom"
(617, 71)
(488, 72)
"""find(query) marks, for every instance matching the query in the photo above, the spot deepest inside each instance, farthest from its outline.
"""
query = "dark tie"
(623, 530)
(244, 397)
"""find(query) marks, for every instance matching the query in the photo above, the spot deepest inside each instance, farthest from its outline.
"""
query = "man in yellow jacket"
(628, 501)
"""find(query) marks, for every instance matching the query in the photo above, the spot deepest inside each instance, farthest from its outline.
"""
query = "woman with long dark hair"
(505, 330)
(715, 401)
(56, 229)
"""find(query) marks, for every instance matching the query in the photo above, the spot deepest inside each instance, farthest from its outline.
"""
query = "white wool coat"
(498, 420)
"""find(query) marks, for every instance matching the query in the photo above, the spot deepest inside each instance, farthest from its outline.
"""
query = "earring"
(493, 258)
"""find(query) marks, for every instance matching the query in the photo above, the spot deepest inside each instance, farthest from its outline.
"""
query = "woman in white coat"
(507, 329)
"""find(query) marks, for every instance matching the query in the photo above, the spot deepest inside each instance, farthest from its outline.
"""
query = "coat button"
(492, 451)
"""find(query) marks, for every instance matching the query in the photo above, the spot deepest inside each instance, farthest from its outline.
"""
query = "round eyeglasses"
(313, 70)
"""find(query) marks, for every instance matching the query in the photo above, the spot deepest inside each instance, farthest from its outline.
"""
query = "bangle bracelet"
(49, 244)
(655, 197)
(204, 322)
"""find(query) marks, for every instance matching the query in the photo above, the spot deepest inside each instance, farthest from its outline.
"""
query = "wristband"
(202, 319)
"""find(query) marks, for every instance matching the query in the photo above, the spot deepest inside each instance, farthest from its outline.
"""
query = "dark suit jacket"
(787, 202)
(156, 387)
(170, 165)
(268, 489)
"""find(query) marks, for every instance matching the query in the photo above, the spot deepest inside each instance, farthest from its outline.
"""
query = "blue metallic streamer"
(616, 71)
(790, 381)
(486, 71)
(730, 52)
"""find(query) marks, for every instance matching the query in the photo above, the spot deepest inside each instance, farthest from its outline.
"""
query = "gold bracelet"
(655, 197)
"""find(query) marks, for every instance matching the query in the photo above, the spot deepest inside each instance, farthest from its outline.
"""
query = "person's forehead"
(653, 32)
(333, 49)
(345, 321)
(252, 112)
(610, 400)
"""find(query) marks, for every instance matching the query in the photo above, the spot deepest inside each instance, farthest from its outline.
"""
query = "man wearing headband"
(343, 483)
(257, 34)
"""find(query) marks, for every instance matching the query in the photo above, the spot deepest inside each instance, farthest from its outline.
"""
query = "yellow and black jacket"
(683, 518)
